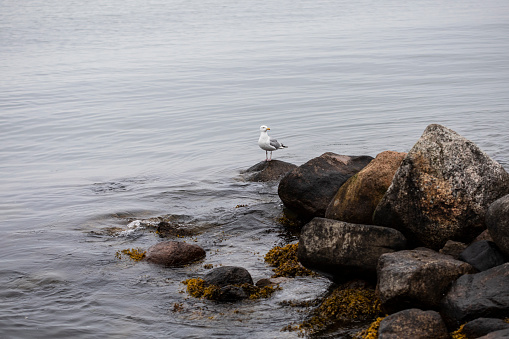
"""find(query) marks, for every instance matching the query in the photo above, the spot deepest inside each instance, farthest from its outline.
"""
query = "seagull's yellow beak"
(268, 128)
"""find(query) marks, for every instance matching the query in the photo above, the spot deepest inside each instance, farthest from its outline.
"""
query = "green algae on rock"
(135, 254)
(199, 288)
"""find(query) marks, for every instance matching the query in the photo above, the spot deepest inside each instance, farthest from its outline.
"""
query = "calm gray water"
(117, 111)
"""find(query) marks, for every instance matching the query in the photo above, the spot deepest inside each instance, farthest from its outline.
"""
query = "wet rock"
(268, 170)
(502, 334)
(231, 293)
(484, 294)
(453, 248)
(413, 323)
(341, 250)
(416, 278)
(271, 281)
(497, 220)
(167, 229)
(174, 253)
(482, 326)
(228, 275)
(442, 190)
(308, 189)
(482, 255)
(357, 198)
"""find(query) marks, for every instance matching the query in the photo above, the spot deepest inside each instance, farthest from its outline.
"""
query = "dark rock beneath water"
(413, 323)
(167, 229)
(482, 326)
(357, 198)
(485, 294)
(442, 190)
(268, 170)
(174, 253)
(416, 278)
(482, 255)
(228, 275)
(341, 250)
(308, 189)
(497, 220)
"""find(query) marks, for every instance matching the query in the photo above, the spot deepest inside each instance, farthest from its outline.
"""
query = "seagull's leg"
(266, 156)
(270, 156)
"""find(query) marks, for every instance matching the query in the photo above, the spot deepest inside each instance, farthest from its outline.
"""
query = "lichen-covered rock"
(308, 189)
(453, 248)
(482, 326)
(416, 278)
(174, 253)
(357, 198)
(497, 220)
(482, 255)
(341, 250)
(268, 170)
(442, 190)
(484, 294)
(413, 323)
(228, 275)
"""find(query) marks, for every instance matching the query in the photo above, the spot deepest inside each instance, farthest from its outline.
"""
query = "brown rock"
(413, 323)
(356, 199)
(268, 170)
(174, 253)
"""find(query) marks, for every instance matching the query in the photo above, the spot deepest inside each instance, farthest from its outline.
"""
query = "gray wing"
(274, 143)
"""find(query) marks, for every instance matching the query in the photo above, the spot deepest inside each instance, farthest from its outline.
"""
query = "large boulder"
(416, 278)
(442, 190)
(308, 189)
(341, 250)
(482, 326)
(472, 296)
(174, 253)
(268, 170)
(482, 255)
(413, 323)
(357, 198)
(497, 220)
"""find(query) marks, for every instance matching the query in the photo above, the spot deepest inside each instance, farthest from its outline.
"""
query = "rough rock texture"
(497, 220)
(174, 253)
(453, 248)
(268, 170)
(483, 255)
(339, 250)
(502, 334)
(231, 293)
(308, 189)
(413, 323)
(228, 275)
(472, 296)
(482, 326)
(442, 190)
(416, 278)
(358, 197)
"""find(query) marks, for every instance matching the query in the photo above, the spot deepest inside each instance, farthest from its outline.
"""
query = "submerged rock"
(442, 190)
(268, 170)
(341, 250)
(174, 253)
(416, 278)
(308, 189)
(497, 220)
(357, 198)
(482, 255)
(472, 296)
(413, 323)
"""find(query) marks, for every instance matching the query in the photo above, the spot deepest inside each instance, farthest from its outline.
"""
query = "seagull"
(268, 144)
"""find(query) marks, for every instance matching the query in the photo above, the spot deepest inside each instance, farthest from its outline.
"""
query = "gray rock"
(308, 189)
(416, 278)
(413, 323)
(482, 326)
(231, 293)
(442, 190)
(174, 253)
(502, 334)
(482, 255)
(228, 275)
(497, 220)
(485, 294)
(339, 250)
(357, 198)
(268, 170)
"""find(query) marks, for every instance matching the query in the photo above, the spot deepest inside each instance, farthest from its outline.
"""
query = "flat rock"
(472, 296)
(482, 255)
(174, 253)
(413, 323)
(340, 250)
(228, 275)
(442, 190)
(357, 198)
(497, 220)
(308, 189)
(482, 326)
(268, 170)
(416, 278)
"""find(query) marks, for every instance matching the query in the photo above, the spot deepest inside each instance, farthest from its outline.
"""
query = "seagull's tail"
(284, 146)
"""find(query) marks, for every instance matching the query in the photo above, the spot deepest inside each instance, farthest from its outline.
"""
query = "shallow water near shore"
(114, 116)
